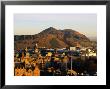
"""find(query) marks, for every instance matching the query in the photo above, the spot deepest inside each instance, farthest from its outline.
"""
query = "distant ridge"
(52, 38)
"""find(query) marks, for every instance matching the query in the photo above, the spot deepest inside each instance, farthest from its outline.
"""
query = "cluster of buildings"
(73, 61)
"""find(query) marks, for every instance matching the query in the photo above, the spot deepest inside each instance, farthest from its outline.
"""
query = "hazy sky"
(26, 24)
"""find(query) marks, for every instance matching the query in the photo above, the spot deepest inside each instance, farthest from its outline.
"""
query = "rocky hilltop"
(52, 38)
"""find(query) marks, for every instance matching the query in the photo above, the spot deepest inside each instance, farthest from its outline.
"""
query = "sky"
(30, 24)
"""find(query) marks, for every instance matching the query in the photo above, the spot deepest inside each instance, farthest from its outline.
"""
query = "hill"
(52, 38)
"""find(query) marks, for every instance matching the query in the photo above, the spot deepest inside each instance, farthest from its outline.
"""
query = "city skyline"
(30, 24)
